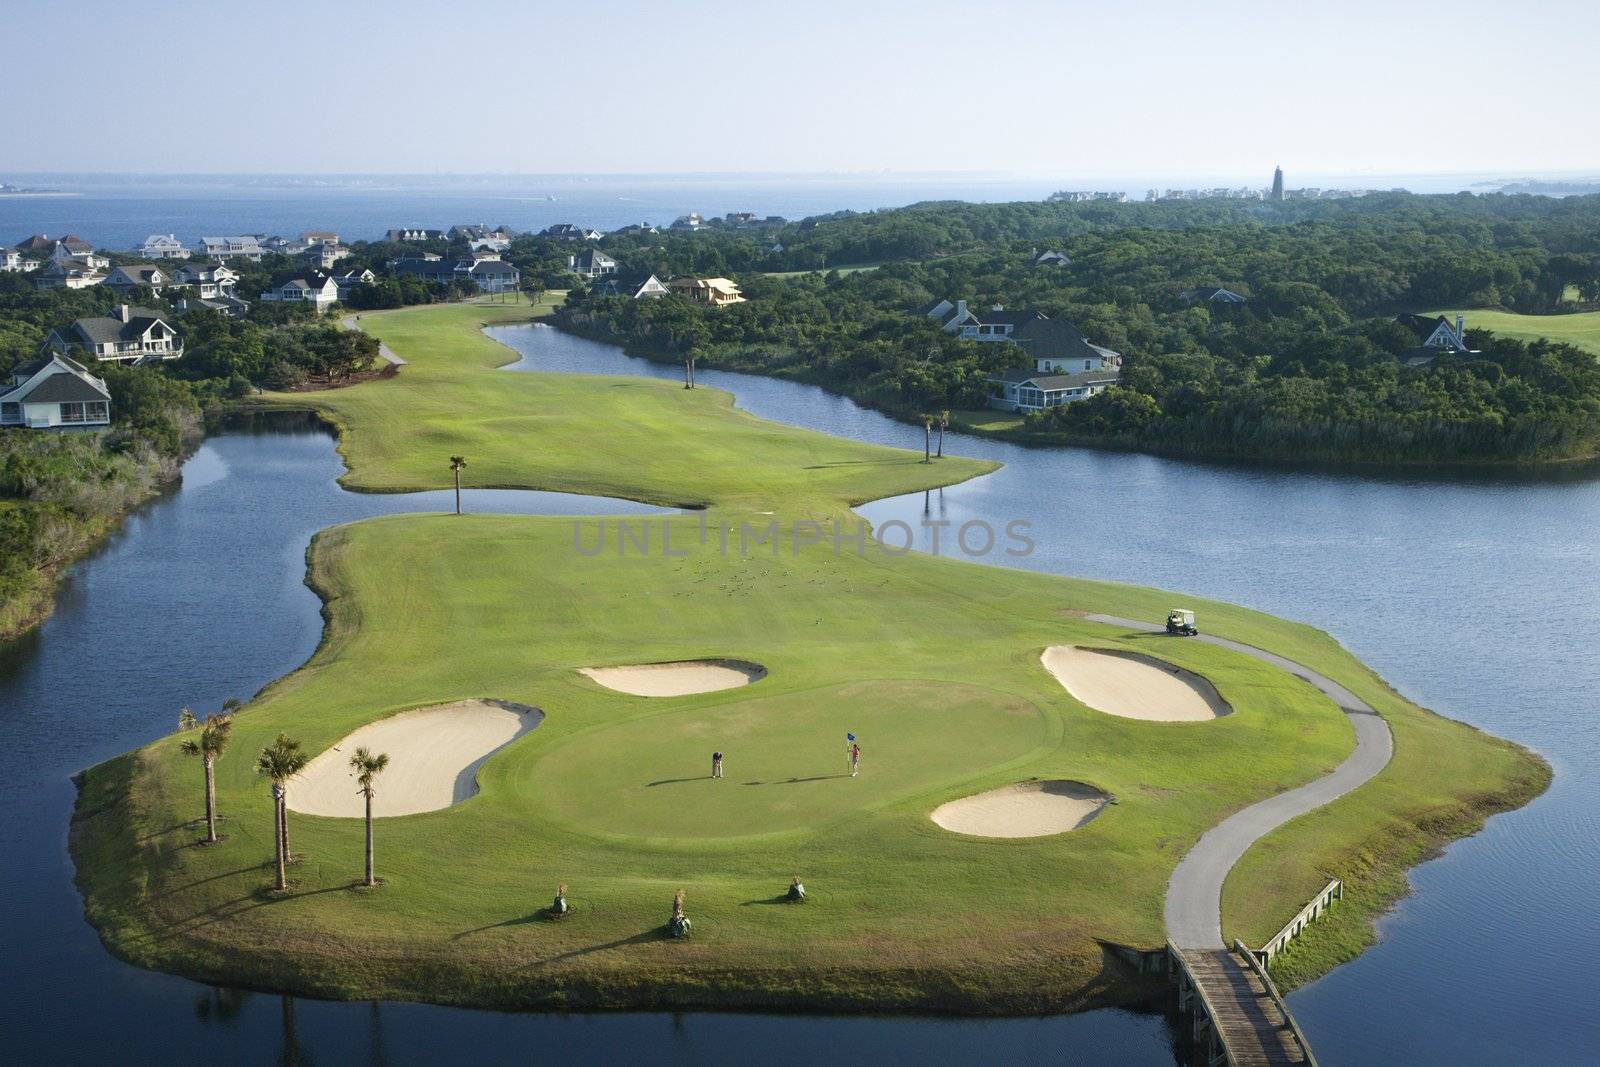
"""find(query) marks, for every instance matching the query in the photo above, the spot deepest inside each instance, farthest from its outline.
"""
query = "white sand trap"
(1027, 809)
(434, 756)
(677, 679)
(1133, 686)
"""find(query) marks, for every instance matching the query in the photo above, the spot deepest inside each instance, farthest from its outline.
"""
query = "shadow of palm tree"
(655, 933)
(677, 781)
(781, 898)
(797, 781)
(521, 920)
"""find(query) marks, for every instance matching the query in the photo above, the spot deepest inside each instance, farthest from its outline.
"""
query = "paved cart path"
(1194, 895)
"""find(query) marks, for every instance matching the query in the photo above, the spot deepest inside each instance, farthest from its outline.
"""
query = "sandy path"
(676, 679)
(1194, 893)
(434, 756)
(1027, 809)
(1133, 686)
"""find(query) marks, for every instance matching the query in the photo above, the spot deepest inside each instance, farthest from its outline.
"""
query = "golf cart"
(1180, 622)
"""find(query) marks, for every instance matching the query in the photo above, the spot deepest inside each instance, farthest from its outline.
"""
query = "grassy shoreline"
(938, 658)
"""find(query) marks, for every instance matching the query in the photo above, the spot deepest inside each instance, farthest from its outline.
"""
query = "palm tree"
(281, 761)
(367, 767)
(456, 464)
(927, 438)
(212, 740)
(944, 424)
(688, 369)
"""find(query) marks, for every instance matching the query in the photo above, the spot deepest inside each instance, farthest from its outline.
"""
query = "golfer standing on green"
(855, 759)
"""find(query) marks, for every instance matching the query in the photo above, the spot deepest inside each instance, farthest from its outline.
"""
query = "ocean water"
(119, 212)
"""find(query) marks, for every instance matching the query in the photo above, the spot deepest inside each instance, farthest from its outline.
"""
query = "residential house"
(741, 218)
(1436, 336)
(1026, 390)
(323, 255)
(209, 283)
(127, 278)
(636, 227)
(1050, 257)
(127, 335)
(320, 291)
(227, 306)
(67, 275)
(78, 254)
(73, 245)
(488, 275)
(691, 221)
(54, 393)
(414, 233)
(714, 291)
(492, 276)
(347, 282)
(1056, 346)
(1212, 295)
(490, 244)
(10, 260)
(996, 324)
(38, 245)
(591, 263)
(566, 231)
(315, 237)
(284, 246)
(163, 246)
(633, 286)
(478, 232)
(222, 249)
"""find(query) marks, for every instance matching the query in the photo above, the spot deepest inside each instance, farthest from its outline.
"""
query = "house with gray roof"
(54, 393)
(128, 278)
(632, 286)
(163, 246)
(69, 274)
(127, 335)
(242, 246)
(1056, 346)
(1027, 391)
(320, 291)
(208, 283)
(227, 306)
(1212, 295)
(591, 263)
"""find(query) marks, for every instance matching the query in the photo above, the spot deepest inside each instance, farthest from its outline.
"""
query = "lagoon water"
(1472, 596)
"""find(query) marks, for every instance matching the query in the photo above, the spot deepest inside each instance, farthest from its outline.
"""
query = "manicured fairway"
(935, 665)
(639, 438)
(1581, 329)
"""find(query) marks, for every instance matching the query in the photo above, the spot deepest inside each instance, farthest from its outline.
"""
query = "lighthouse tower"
(1277, 185)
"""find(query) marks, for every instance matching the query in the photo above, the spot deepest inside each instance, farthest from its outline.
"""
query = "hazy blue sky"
(617, 86)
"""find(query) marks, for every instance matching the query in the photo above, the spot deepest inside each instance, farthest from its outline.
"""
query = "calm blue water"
(119, 212)
(1472, 596)
(120, 215)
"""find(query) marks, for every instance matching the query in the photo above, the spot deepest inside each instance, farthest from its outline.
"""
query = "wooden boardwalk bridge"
(1238, 1017)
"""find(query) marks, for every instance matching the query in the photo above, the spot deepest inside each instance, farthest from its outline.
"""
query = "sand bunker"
(434, 756)
(1133, 686)
(1027, 809)
(677, 679)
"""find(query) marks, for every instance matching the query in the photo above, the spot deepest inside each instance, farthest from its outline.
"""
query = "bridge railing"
(1260, 969)
(1183, 974)
(1320, 903)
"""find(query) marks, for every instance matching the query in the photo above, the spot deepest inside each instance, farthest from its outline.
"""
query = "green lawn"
(933, 663)
(639, 438)
(1581, 328)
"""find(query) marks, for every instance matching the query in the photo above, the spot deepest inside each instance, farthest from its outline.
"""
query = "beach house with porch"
(55, 392)
(714, 291)
(127, 335)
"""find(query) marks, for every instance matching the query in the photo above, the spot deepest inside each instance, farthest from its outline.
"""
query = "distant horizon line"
(1507, 173)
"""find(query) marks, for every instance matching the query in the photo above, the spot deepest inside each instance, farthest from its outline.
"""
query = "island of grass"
(934, 665)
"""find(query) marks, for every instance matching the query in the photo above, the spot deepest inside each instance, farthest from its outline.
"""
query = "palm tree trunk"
(370, 879)
(283, 826)
(211, 803)
(687, 382)
(277, 841)
(941, 441)
(458, 491)
(927, 443)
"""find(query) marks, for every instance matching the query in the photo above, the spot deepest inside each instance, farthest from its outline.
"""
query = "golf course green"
(933, 664)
